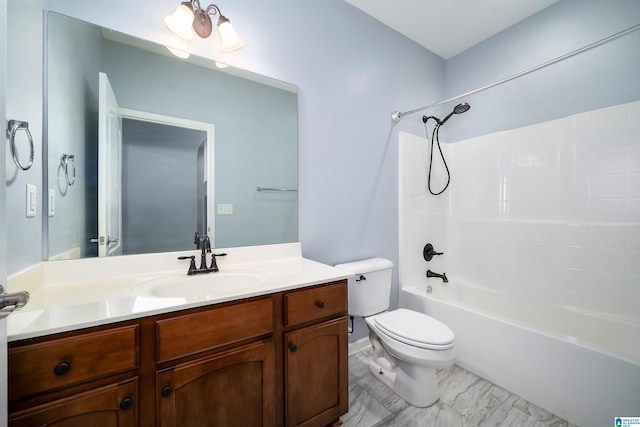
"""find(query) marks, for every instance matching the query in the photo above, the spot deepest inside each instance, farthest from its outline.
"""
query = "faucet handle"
(192, 264)
(214, 264)
(428, 252)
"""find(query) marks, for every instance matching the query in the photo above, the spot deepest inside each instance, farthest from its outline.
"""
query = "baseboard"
(357, 346)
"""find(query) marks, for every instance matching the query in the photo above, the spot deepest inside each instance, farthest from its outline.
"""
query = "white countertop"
(70, 295)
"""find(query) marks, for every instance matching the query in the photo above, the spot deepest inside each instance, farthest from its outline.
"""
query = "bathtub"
(575, 364)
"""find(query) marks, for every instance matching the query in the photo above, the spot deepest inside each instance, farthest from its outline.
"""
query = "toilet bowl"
(414, 337)
(408, 346)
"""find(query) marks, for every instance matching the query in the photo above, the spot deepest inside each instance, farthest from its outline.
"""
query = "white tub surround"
(540, 231)
(69, 295)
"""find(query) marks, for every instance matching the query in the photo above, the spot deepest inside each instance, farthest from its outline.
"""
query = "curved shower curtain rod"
(397, 115)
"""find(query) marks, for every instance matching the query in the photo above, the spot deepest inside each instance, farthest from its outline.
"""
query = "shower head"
(458, 109)
(461, 108)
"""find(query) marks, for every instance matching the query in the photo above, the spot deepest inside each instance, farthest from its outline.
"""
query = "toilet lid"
(414, 328)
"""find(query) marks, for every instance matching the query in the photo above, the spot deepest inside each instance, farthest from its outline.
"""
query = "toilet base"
(417, 384)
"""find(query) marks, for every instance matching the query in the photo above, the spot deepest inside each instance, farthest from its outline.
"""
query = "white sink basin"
(199, 285)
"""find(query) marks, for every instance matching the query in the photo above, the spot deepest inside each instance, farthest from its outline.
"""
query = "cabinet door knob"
(62, 368)
(320, 304)
(126, 403)
(166, 391)
(293, 348)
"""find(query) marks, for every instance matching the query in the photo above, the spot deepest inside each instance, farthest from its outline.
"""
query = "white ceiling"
(448, 27)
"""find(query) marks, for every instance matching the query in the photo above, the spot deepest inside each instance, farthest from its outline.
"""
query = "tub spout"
(443, 276)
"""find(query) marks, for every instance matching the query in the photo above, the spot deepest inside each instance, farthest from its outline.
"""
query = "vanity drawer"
(50, 365)
(315, 303)
(193, 333)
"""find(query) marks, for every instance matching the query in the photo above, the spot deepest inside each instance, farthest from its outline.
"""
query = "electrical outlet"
(32, 201)
(224, 209)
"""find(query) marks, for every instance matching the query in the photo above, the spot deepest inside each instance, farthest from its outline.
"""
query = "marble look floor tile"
(465, 400)
(517, 412)
(437, 414)
(508, 415)
(358, 366)
(542, 415)
(455, 384)
(364, 409)
(383, 394)
(443, 373)
(479, 400)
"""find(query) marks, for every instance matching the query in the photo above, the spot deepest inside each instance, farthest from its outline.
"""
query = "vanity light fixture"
(189, 15)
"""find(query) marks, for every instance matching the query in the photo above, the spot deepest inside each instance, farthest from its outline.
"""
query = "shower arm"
(397, 115)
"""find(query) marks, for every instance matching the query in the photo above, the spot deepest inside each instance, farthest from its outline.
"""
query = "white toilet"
(408, 346)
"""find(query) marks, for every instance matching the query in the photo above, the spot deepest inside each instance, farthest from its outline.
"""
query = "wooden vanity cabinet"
(279, 359)
(72, 381)
(112, 405)
(230, 387)
(233, 388)
(315, 355)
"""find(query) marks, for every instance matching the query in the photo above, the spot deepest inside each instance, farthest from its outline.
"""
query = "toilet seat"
(416, 329)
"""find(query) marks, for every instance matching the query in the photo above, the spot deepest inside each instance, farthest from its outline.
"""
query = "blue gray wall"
(72, 106)
(602, 77)
(351, 72)
(23, 102)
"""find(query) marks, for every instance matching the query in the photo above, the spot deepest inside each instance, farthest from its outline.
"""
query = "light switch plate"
(51, 203)
(32, 200)
(224, 209)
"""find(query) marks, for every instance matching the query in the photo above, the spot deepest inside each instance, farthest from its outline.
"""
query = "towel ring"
(13, 126)
(66, 160)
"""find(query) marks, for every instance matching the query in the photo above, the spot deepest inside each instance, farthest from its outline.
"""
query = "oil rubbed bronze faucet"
(205, 246)
(443, 276)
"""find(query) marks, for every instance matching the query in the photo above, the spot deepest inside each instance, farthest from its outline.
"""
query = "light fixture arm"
(201, 23)
(213, 10)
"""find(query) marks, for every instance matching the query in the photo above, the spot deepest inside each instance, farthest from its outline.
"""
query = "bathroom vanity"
(273, 354)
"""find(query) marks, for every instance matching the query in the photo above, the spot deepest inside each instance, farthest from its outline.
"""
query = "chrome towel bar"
(276, 189)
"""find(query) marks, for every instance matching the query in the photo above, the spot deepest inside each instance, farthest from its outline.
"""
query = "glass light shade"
(181, 21)
(230, 40)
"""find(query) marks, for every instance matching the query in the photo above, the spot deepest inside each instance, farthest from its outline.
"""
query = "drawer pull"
(166, 391)
(62, 368)
(293, 348)
(320, 304)
(126, 403)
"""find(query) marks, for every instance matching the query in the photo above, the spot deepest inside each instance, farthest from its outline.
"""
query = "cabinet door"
(234, 388)
(316, 370)
(110, 406)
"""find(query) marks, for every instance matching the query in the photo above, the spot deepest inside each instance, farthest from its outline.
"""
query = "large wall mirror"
(146, 149)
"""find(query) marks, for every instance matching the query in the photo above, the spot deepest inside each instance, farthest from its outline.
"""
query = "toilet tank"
(370, 289)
